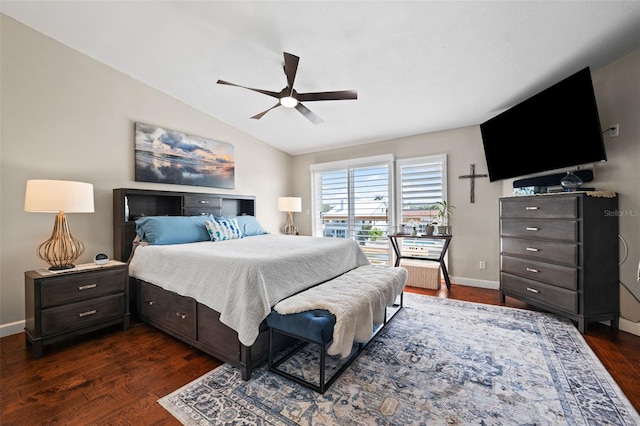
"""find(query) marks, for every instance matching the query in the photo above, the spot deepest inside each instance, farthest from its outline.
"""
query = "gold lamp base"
(289, 227)
(61, 250)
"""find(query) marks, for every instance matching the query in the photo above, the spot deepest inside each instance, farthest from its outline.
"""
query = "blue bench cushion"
(315, 325)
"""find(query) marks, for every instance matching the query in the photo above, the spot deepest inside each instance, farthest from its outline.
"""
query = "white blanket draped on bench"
(357, 298)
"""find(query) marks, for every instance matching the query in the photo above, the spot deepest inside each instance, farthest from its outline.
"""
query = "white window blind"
(421, 184)
(352, 200)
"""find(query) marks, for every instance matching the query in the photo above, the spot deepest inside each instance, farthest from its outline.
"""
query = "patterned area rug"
(438, 361)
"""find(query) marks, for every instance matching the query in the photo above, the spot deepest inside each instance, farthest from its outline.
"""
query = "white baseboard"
(11, 328)
(630, 326)
(472, 282)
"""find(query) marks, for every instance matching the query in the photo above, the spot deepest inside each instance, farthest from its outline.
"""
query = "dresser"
(59, 305)
(559, 252)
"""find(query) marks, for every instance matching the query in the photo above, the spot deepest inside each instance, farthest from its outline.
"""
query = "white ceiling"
(418, 66)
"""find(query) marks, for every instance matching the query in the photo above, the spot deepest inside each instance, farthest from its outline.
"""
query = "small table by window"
(399, 256)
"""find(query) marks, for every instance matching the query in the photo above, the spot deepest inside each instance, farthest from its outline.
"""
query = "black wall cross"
(473, 177)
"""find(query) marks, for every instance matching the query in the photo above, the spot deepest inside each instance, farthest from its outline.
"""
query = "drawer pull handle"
(532, 290)
(532, 270)
(203, 213)
(150, 302)
(87, 313)
(87, 287)
(182, 316)
(532, 249)
(531, 208)
(204, 201)
(531, 228)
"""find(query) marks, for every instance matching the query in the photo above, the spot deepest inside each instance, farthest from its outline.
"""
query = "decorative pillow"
(250, 226)
(161, 230)
(221, 229)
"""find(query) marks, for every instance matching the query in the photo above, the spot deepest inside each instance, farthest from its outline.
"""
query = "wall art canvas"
(169, 156)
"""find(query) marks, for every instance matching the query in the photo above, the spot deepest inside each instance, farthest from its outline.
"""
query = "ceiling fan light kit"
(289, 98)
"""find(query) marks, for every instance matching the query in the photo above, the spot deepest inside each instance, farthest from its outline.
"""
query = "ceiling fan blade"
(290, 68)
(259, 116)
(310, 115)
(265, 92)
(328, 96)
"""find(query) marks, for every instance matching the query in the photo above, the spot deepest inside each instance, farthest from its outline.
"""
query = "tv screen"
(558, 127)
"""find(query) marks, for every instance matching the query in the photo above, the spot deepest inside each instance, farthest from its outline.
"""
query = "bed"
(216, 295)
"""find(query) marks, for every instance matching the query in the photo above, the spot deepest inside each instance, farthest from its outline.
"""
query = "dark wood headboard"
(132, 204)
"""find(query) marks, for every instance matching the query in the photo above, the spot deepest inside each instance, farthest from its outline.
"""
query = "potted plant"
(442, 218)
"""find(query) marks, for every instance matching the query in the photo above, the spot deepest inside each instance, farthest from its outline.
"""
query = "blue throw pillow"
(250, 226)
(161, 230)
(221, 229)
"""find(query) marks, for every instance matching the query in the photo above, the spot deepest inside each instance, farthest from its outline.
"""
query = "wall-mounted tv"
(556, 128)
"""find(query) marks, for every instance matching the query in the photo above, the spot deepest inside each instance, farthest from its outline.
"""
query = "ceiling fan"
(290, 98)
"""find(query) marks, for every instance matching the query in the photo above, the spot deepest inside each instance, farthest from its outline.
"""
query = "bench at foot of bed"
(367, 293)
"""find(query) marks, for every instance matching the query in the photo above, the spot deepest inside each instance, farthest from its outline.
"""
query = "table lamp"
(59, 196)
(289, 205)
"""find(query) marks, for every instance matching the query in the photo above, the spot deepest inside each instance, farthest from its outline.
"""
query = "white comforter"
(242, 279)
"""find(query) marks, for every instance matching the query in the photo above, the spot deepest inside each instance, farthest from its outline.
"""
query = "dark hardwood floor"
(115, 377)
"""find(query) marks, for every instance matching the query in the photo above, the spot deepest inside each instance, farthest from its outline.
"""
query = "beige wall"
(475, 225)
(66, 116)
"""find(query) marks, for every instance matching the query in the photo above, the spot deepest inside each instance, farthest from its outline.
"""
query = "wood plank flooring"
(115, 378)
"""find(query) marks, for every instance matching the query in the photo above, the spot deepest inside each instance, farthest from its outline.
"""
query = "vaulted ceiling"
(418, 66)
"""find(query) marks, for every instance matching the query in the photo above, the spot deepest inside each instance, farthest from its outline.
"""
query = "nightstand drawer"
(549, 295)
(73, 288)
(541, 250)
(540, 207)
(82, 314)
(561, 276)
(559, 230)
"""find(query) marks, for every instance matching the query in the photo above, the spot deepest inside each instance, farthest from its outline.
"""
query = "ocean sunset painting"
(169, 156)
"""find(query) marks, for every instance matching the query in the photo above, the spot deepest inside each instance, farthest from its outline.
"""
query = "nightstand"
(62, 304)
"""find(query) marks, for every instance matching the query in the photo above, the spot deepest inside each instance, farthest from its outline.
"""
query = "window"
(355, 199)
(352, 200)
(421, 183)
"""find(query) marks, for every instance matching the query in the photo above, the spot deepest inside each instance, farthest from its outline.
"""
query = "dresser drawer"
(561, 276)
(170, 310)
(541, 250)
(549, 229)
(540, 207)
(546, 294)
(83, 314)
(73, 288)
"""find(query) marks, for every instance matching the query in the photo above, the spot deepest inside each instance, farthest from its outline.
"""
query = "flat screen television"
(556, 128)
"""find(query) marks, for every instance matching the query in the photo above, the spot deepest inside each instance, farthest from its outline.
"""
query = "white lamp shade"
(290, 204)
(53, 196)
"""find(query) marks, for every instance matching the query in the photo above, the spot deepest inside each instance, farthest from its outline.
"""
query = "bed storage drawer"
(214, 334)
(169, 310)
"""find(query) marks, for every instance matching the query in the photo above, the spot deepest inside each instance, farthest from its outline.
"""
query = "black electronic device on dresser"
(559, 252)
(76, 301)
